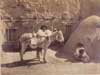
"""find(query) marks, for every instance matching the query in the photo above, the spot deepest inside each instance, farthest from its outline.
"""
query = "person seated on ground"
(43, 33)
(80, 53)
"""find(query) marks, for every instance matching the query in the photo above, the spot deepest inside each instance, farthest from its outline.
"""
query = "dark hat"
(80, 45)
(43, 26)
(81, 51)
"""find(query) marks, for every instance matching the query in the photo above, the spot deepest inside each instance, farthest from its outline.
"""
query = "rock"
(88, 33)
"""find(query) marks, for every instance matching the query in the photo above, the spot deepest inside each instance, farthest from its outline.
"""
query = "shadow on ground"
(22, 63)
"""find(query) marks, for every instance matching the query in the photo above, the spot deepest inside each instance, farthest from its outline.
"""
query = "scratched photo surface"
(50, 37)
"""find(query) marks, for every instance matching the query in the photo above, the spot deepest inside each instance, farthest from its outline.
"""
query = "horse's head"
(59, 36)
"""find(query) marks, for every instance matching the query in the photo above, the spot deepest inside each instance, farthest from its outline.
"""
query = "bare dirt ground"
(56, 65)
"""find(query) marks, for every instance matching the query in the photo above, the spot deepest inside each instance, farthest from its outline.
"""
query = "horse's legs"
(39, 50)
(21, 56)
(22, 51)
(44, 55)
(38, 54)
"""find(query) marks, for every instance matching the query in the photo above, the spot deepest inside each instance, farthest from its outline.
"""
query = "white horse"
(27, 40)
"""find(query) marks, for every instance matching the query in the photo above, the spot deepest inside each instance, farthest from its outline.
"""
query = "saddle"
(36, 42)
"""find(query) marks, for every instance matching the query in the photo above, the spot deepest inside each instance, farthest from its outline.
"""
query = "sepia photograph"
(49, 37)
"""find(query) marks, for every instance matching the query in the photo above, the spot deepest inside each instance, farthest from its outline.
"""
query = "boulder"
(88, 33)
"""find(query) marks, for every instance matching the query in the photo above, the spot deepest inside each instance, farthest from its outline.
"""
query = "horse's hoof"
(41, 62)
(22, 60)
(44, 61)
(38, 59)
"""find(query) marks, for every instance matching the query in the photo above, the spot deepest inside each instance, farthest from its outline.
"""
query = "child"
(80, 53)
(43, 33)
